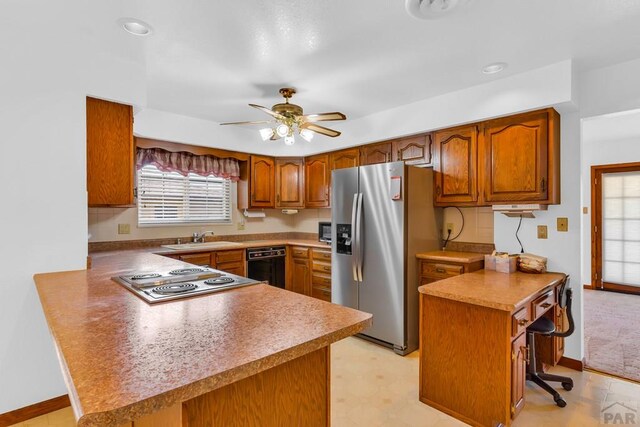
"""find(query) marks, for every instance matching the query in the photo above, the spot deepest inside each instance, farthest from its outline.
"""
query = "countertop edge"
(117, 416)
(451, 256)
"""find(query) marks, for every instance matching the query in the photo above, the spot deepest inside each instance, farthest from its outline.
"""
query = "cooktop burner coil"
(182, 271)
(175, 288)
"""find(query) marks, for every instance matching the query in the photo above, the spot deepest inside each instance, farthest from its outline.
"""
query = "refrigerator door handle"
(360, 246)
(354, 237)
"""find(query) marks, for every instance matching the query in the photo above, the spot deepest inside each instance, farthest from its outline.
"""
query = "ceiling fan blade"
(322, 117)
(259, 122)
(321, 130)
(268, 111)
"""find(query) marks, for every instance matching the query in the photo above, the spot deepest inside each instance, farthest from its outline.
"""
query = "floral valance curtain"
(183, 163)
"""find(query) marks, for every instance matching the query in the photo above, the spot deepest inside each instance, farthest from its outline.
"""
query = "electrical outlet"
(241, 226)
(563, 224)
(542, 232)
(124, 228)
(450, 227)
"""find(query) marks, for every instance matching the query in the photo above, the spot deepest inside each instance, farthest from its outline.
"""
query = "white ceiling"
(208, 59)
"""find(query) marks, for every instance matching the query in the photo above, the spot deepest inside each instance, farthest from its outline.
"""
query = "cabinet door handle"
(399, 155)
(543, 185)
(438, 191)
(525, 353)
(387, 157)
(278, 198)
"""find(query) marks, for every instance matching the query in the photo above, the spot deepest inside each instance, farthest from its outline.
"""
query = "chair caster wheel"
(567, 386)
(560, 401)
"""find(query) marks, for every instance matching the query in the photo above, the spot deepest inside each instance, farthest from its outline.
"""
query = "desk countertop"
(492, 289)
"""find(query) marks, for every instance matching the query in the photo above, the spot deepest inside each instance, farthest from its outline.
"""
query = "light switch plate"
(563, 224)
(124, 228)
(542, 232)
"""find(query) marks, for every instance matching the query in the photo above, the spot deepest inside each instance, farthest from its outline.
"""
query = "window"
(621, 228)
(171, 198)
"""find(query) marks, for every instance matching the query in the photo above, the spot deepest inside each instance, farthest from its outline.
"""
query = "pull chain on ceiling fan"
(287, 119)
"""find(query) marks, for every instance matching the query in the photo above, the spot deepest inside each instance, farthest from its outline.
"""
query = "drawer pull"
(440, 270)
(326, 268)
(522, 322)
(326, 291)
(327, 281)
(546, 305)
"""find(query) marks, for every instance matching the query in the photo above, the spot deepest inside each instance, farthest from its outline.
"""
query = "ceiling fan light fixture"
(282, 130)
(306, 134)
(266, 133)
(289, 140)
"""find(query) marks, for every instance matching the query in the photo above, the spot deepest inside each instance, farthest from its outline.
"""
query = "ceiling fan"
(289, 118)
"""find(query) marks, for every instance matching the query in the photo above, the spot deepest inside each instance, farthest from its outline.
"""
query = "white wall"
(605, 140)
(561, 248)
(50, 61)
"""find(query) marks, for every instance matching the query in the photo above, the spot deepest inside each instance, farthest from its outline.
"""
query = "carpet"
(612, 333)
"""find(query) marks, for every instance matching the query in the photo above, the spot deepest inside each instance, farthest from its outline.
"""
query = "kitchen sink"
(205, 245)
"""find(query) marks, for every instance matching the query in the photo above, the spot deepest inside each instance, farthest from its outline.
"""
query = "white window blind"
(170, 198)
(621, 228)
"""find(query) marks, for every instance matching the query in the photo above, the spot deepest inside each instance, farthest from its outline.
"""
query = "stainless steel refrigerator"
(381, 216)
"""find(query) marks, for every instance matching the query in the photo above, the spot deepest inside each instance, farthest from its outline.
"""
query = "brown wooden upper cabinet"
(414, 150)
(348, 158)
(519, 152)
(110, 153)
(455, 166)
(372, 154)
(317, 174)
(289, 183)
(262, 182)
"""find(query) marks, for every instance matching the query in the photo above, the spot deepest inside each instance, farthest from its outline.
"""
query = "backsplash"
(103, 224)
(478, 224)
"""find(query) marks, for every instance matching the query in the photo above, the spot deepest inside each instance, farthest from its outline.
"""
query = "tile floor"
(372, 386)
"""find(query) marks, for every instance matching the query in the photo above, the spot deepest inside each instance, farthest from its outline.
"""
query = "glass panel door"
(621, 230)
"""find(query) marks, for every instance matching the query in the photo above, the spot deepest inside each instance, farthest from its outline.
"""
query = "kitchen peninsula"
(258, 354)
(473, 349)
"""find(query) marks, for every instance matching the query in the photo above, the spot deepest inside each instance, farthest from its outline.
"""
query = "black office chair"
(546, 327)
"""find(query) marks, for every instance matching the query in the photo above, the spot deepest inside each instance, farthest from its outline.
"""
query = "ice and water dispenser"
(343, 239)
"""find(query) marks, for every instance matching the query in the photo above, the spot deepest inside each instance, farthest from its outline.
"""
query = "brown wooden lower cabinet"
(519, 352)
(295, 393)
(230, 261)
(309, 272)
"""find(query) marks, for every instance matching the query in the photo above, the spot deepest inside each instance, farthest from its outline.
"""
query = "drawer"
(321, 255)
(321, 280)
(441, 271)
(519, 321)
(321, 293)
(299, 252)
(543, 303)
(229, 256)
(232, 268)
(321, 267)
(197, 259)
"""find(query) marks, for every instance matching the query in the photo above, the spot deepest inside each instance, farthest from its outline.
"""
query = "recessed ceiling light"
(496, 67)
(135, 26)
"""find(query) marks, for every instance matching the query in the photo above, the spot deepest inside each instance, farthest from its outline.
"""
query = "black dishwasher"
(267, 264)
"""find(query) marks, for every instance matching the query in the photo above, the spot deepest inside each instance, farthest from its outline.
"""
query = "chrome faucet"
(199, 237)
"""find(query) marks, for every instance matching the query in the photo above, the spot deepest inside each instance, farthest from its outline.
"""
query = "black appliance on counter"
(324, 232)
(267, 265)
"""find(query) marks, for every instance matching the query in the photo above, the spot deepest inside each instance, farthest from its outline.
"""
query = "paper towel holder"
(254, 214)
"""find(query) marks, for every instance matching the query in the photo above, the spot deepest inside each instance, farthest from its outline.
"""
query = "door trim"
(596, 225)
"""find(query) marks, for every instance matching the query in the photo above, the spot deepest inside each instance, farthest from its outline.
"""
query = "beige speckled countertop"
(452, 256)
(122, 358)
(492, 289)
